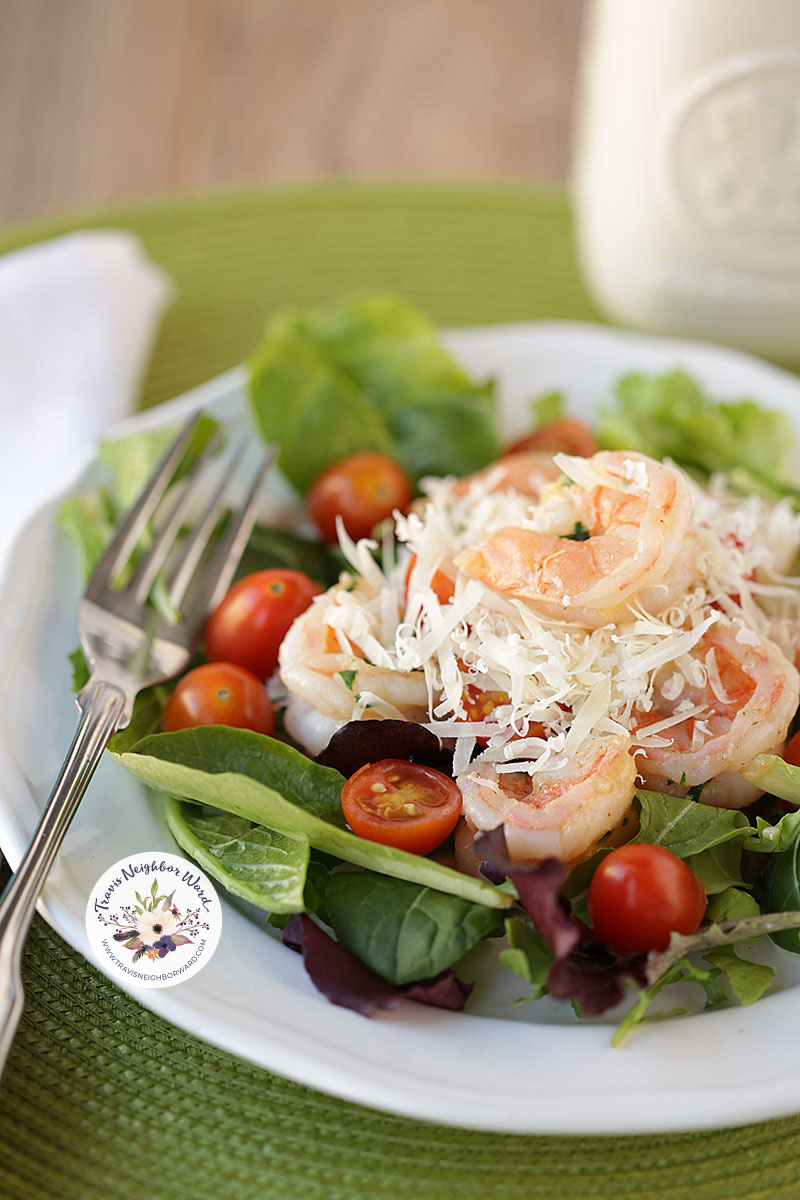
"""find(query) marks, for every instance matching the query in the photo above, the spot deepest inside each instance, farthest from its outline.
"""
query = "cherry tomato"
(401, 804)
(362, 489)
(791, 753)
(219, 694)
(567, 435)
(441, 584)
(254, 618)
(640, 894)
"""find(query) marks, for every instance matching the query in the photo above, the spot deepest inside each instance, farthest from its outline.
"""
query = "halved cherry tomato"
(363, 490)
(567, 435)
(254, 618)
(640, 894)
(401, 804)
(442, 585)
(219, 694)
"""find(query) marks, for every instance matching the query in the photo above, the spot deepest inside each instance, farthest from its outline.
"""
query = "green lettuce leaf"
(717, 934)
(671, 416)
(686, 827)
(546, 409)
(271, 784)
(133, 459)
(719, 867)
(680, 972)
(731, 905)
(780, 779)
(368, 373)
(404, 931)
(266, 868)
(528, 955)
(747, 980)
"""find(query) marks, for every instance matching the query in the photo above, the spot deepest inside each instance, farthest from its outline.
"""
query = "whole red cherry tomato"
(363, 490)
(254, 618)
(567, 435)
(219, 694)
(640, 894)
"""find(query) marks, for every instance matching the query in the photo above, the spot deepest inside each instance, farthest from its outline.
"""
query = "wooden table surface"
(108, 100)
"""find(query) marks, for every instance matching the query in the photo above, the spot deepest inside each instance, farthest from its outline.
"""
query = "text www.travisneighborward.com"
(134, 974)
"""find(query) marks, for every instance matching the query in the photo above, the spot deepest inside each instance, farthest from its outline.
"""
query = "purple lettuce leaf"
(362, 742)
(344, 980)
(594, 975)
(443, 991)
(584, 969)
(538, 888)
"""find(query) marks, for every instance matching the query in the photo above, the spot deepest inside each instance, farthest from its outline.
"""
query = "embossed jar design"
(687, 167)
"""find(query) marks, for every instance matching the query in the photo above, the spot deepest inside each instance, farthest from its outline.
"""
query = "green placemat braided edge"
(102, 1099)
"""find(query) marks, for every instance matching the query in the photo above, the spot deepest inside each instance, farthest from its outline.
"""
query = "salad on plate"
(492, 705)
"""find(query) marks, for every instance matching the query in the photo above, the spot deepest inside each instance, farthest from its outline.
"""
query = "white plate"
(526, 1069)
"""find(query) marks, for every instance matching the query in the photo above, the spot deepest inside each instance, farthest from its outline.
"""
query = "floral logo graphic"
(161, 934)
(154, 925)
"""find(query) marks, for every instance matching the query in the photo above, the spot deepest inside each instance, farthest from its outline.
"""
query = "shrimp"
(527, 472)
(750, 694)
(633, 513)
(560, 814)
(315, 669)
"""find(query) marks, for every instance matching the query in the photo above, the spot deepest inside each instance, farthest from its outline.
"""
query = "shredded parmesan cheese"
(554, 682)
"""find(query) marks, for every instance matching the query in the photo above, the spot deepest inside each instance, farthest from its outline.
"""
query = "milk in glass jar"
(687, 168)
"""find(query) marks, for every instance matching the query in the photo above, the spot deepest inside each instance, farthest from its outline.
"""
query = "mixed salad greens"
(377, 923)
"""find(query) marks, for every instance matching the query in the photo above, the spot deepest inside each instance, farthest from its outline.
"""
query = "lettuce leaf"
(270, 783)
(344, 980)
(680, 972)
(403, 931)
(266, 868)
(671, 416)
(527, 955)
(368, 373)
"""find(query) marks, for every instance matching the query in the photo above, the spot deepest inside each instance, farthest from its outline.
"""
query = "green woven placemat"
(102, 1100)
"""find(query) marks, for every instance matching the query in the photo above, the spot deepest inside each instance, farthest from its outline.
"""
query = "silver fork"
(128, 648)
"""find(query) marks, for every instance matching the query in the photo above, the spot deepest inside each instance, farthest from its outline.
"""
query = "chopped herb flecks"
(579, 534)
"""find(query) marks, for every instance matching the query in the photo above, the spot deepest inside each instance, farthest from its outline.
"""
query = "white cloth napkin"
(78, 317)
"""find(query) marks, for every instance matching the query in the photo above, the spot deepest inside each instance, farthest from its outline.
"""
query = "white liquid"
(687, 168)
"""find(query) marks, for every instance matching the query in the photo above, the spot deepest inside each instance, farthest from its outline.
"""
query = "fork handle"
(103, 706)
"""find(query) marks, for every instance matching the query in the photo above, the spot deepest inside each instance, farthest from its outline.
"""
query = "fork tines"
(192, 582)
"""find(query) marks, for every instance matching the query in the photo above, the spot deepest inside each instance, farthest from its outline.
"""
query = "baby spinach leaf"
(251, 861)
(146, 718)
(368, 373)
(781, 890)
(401, 930)
(267, 782)
(748, 980)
